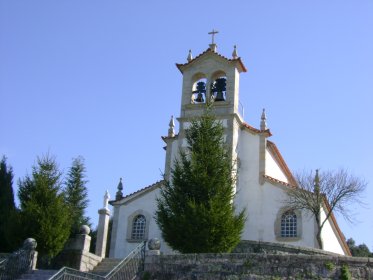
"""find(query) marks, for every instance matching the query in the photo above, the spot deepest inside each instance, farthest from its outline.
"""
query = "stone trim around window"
(277, 227)
(130, 226)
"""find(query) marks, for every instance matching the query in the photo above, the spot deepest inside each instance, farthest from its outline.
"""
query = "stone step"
(105, 266)
(38, 275)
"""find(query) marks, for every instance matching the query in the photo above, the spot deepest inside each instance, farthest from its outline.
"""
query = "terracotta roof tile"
(255, 130)
(274, 180)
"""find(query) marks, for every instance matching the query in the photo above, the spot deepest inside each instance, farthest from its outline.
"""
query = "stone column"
(102, 230)
(262, 147)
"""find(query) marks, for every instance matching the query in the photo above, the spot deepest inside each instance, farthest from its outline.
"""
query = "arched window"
(289, 224)
(138, 227)
(219, 86)
(199, 91)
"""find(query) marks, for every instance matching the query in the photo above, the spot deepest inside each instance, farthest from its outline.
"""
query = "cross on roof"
(213, 32)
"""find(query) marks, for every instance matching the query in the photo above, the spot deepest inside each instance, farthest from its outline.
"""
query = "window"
(138, 227)
(219, 89)
(199, 91)
(289, 224)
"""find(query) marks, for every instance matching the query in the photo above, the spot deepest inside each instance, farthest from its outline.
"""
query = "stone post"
(81, 242)
(103, 225)
(30, 245)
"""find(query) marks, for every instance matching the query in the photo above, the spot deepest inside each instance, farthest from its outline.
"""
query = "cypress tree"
(45, 214)
(195, 210)
(7, 207)
(77, 195)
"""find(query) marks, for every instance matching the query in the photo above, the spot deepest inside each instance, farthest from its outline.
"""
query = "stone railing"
(3, 256)
(127, 269)
(20, 261)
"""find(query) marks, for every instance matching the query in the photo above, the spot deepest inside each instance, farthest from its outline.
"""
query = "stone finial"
(29, 244)
(154, 244)
(263, 122)
(171, 127)
(190, 56)
(234, 53)
(119, 194)
(317, 182)
(84, 229)
(106, 199)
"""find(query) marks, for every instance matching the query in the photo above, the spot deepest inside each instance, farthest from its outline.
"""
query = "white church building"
(263, 175)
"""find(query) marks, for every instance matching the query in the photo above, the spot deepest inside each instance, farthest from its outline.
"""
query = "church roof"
(137, 193)
(256, 130)
(274, 180)
(238, 61)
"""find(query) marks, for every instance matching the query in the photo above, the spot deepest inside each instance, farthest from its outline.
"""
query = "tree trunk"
(318, 234)
(319, 239)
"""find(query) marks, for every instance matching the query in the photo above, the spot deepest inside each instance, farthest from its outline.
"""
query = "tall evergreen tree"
(45, 214)
(195, 211)
(7, 206)
(77, 195)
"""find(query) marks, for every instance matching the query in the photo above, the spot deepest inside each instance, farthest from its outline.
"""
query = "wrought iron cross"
(213, 32)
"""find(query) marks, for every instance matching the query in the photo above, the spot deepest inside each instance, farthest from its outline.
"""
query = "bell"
(219, 96)
(199, 98)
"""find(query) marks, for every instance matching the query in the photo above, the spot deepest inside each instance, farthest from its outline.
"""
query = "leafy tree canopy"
(361, 250)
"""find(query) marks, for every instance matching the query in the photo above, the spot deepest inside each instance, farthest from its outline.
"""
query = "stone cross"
(213, 32)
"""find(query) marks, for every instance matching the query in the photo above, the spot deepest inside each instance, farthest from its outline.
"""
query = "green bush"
(329, 266)
(345, 273)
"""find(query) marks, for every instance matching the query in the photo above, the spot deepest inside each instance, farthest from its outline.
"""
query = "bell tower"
(212, 77)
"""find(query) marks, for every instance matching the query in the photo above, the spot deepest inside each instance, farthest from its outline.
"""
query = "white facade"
(263, 175)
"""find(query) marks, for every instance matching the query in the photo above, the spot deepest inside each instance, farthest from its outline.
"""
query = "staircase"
(105, 266)
(38, 275)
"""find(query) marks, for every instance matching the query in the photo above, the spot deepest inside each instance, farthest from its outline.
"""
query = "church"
(263, 175)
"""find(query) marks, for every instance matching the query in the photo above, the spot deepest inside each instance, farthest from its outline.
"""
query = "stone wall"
(248, 246)
(247, 266)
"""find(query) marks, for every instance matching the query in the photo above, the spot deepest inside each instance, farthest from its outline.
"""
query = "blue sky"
(98, 79)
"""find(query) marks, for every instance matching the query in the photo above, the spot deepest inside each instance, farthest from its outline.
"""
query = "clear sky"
(98, 79)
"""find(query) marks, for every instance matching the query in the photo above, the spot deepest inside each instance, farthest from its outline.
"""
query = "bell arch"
(199, 88)
(219, 86)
